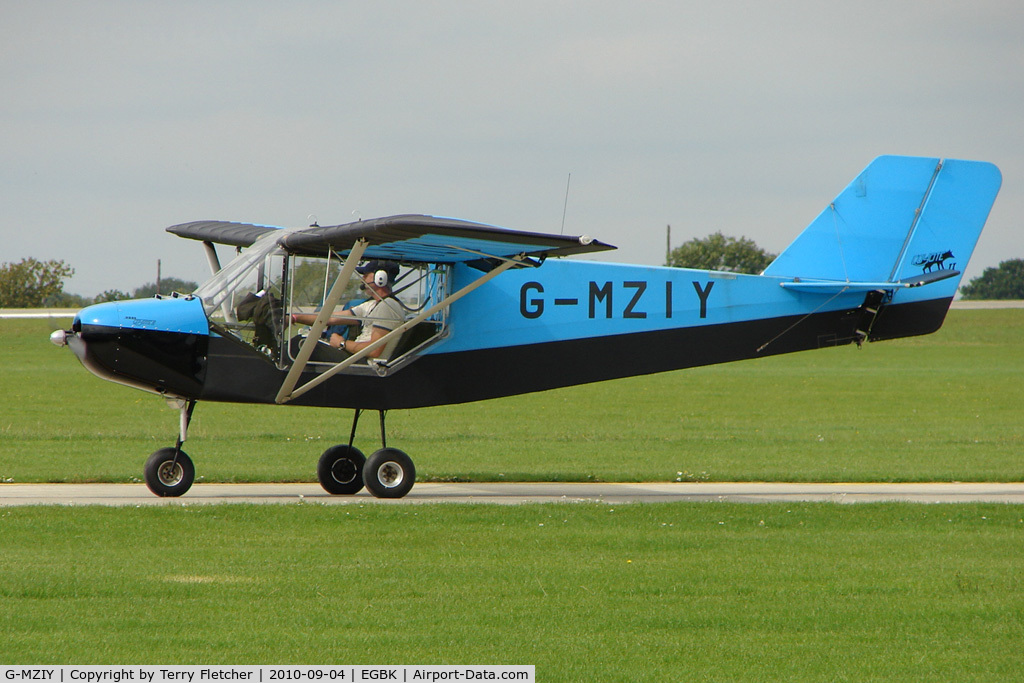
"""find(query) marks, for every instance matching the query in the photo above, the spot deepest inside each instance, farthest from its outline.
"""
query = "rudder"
(950, 222)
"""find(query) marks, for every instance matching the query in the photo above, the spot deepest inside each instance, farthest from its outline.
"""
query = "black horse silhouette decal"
(929, 261)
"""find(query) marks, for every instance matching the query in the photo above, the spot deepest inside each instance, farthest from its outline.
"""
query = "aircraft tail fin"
(904, 221)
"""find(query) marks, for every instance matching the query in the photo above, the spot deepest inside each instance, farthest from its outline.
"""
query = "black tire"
(340, 470)
(389, 473)
(167, 477)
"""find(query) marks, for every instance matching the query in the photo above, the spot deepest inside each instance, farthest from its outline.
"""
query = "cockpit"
(253, 299)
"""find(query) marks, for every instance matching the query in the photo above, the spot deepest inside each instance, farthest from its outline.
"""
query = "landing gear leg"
(388, 473)
(169, 471)
(344, 470)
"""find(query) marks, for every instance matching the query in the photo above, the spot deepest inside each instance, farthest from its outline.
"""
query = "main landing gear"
(344, 470)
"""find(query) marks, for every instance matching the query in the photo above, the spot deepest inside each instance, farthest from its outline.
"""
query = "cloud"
(121, 118)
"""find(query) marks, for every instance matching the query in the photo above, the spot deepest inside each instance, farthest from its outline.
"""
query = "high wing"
(410, 238)
(221, 232)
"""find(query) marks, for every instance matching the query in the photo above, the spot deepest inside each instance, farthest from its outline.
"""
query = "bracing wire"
(805, 317)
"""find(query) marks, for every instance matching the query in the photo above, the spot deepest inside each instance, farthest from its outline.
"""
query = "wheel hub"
(344, 471)
(170, 473)
(390, 474)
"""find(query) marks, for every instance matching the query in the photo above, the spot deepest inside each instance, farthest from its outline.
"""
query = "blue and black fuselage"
(565, 323)
(882, 261)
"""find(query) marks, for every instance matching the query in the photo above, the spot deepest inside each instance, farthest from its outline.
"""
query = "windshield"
(234, 277)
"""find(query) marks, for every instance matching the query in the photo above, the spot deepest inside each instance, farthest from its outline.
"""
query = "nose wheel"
(169, 472)
(387, 473)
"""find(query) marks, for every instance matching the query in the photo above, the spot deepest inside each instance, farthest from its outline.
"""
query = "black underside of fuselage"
(164, 362)
(235, 372)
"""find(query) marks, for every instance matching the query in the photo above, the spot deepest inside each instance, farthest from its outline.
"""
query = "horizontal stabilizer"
(929, 278)
(840, 287)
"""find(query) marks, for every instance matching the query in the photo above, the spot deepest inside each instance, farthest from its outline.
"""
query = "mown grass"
(942, 407)
(659, 592)
(583, 591)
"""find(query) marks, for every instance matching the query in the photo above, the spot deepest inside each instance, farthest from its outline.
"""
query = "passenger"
(380, 314)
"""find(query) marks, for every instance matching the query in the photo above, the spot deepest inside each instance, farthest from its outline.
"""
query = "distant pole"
(158, 276)
(668, 244)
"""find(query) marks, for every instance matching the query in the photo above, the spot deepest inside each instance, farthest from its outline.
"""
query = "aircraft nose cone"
(59, 338)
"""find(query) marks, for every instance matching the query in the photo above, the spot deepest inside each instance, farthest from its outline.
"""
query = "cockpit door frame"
(288, 391)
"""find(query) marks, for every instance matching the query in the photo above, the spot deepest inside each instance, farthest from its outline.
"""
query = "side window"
(249, 305)
(417, 288)
(310, 279)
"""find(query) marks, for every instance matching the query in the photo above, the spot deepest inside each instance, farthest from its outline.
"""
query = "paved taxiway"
(515, 493)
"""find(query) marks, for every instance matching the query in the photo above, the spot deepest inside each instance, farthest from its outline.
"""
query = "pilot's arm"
(345, 317)
(353, 346)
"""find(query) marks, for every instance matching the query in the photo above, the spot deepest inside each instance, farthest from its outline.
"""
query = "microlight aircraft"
(493, 312)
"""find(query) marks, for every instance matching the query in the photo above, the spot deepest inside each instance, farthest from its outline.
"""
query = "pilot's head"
(379, 274)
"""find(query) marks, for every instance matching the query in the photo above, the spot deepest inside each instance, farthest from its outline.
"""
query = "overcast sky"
(118, 119)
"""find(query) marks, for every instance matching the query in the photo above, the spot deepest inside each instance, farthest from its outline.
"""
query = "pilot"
(379, 314)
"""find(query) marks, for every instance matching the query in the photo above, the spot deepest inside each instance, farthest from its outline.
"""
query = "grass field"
(671, 592)
(586, 592)
(942, 407)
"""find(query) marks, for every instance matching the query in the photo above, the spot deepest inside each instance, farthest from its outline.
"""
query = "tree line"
(31, 283)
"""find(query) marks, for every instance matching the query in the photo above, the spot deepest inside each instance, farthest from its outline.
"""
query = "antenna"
(566, 204)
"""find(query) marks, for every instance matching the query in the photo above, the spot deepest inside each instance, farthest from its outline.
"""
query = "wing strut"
(211, 257)
(318, 326)
(284, 396)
